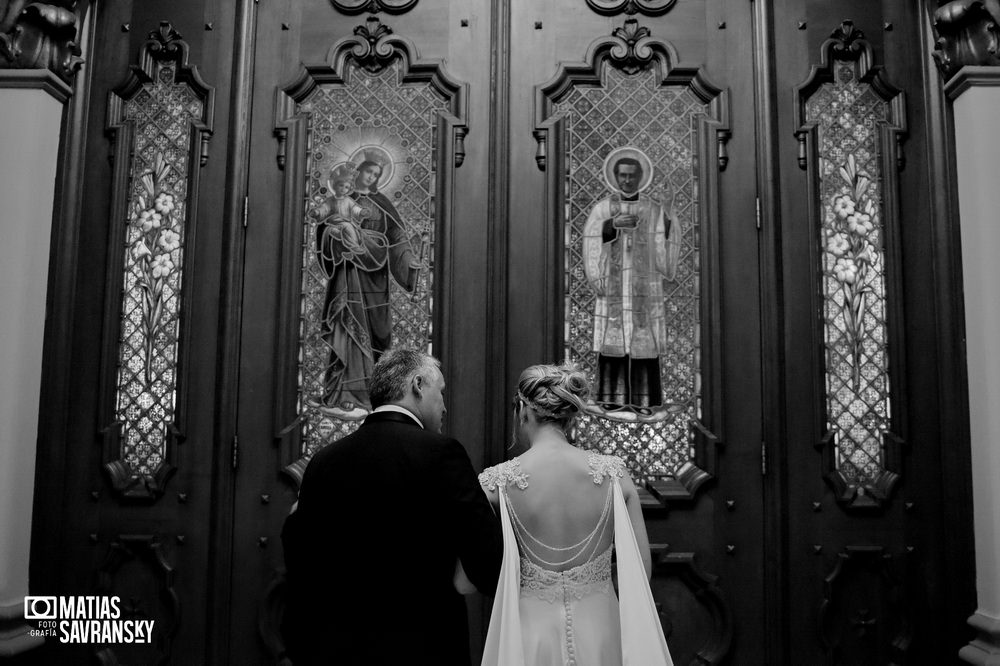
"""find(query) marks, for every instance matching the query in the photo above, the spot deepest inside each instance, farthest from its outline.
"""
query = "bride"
(563, 510)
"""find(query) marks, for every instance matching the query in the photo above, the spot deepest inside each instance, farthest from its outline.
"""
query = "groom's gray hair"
(392, 374)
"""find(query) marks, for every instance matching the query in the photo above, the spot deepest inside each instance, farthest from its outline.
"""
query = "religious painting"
(364, 249)
(630, 246)
(634, 256)
(367, 242)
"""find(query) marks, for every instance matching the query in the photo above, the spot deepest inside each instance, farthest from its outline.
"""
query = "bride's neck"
(549, 436)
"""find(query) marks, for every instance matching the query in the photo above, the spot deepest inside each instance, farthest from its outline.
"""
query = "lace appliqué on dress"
(603, 467)
(590, 577)
(505, 474)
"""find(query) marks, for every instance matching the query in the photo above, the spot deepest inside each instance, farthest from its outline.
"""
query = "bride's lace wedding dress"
(555, 604)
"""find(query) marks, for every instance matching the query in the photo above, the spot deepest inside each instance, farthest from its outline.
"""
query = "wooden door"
(672, 86)
(335, 90)
(124, 482)
(867, 471)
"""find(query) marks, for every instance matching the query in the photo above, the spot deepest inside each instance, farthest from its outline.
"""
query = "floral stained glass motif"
(634, 111)
(848, 115)
(162, 114)
(367, 254)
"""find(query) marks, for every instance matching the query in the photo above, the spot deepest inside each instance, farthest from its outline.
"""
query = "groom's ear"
(417, 385)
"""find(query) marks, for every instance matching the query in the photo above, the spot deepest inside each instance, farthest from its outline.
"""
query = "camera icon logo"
(40, 608)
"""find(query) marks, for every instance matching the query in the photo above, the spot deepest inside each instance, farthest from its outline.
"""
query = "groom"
(383, 516)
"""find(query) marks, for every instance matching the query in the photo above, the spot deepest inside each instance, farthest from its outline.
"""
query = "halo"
(634, 153)
(380, 155)
(339, 167)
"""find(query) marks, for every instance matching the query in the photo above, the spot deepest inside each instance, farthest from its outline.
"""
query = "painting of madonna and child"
(366, 272)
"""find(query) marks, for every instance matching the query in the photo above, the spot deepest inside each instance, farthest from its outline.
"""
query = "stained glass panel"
(633, 294)
(162, 113)
(848, 115)
(367, 254)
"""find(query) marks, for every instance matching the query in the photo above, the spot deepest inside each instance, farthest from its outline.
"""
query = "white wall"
(29, 143)
(977, 146)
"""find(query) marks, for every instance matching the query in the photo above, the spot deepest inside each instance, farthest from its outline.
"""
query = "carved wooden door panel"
(332, 278)
(865, 466)
(124, 491)
(663, 90)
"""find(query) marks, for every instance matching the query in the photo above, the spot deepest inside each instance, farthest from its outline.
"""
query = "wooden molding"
(163, 45)
(876, 620)
(630, 7)
(848, 44)
(971, 76)
(706, 591)
(148, 550)
(362, 6)
(36, 79)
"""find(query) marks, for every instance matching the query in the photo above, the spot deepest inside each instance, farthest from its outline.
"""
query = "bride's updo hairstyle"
(555, 393)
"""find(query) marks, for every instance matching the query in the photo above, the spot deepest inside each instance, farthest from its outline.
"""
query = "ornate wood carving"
(132, 583)
(40, 36)
(863, 617)
(967, 34)
(633, 50)
(647, 7)
(373, 49)
(703, 586)
(847, 46)
(362, 6)
(630, 48)
(157, 158)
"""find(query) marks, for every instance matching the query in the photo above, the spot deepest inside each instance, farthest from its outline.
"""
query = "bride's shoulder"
(605, 467)
(505, 474)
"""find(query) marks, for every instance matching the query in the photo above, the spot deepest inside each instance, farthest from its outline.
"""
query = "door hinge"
(236, 451)
(758, 213)
(763, 458)
(246, 208)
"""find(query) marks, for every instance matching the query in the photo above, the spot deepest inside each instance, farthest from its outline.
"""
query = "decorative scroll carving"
(40, 36)
(647, 7)
(132, 561)
(669, 569)
(374, 106)
(361, 6)
(631, 102)
(159, 121)
(632, 52)
(372, 49)
(967, 34)
(863, 616)
(851, 125)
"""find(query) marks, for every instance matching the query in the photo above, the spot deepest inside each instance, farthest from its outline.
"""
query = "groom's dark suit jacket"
(370, 552)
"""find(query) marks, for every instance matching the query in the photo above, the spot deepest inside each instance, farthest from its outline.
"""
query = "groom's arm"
(472, 520)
